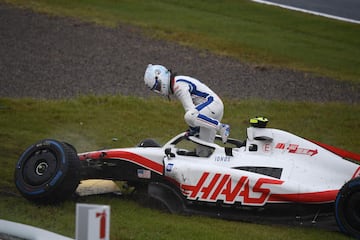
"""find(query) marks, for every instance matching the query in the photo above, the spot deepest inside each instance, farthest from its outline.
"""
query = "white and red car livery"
(271, 169)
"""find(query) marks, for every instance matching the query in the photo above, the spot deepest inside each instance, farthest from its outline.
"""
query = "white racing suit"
(203, 108)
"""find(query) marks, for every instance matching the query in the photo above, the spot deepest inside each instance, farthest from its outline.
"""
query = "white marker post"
(92, 222)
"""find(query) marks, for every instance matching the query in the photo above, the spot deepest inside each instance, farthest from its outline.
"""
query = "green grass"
(242, 29)
(90, 123)
(132, 221)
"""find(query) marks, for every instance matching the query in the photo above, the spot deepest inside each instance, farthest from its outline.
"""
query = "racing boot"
(224, 132)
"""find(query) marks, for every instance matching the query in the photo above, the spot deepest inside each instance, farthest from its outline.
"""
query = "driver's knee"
(190, 117)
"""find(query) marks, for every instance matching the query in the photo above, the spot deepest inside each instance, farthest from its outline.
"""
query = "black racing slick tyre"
(48, 172)
(347, 208)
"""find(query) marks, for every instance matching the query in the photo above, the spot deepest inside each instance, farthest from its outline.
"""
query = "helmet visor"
(157, 86)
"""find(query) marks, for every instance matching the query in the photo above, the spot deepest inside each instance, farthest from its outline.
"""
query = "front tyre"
(347, 208)
(48, 172)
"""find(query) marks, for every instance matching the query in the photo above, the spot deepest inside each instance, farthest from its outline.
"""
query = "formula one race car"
(271, 176)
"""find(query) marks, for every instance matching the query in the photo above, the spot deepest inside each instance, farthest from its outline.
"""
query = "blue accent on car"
(29, 191)
(56, 178)
(169, 167)
(21, 157)
(63, 158)
(37, 192)
(340, 225)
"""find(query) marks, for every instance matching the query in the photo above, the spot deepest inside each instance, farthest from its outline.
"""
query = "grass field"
(239, 28)
(90, 123)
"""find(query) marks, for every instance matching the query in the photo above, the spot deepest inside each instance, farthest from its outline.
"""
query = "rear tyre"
(48, 172)
(347, 208)
(166, 196)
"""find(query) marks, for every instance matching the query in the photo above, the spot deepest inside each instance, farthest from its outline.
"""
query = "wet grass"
(132, 221)
(90, 123)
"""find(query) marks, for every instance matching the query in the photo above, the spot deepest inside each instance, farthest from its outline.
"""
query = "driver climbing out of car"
(203, 108)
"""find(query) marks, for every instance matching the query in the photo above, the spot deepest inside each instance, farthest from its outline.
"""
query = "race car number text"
(224, 187)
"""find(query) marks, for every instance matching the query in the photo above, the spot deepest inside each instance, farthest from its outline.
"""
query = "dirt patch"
(50, 57)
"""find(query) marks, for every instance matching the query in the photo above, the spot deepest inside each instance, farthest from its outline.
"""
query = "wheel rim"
(40, 167)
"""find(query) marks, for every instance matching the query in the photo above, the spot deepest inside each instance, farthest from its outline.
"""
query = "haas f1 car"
(273, 175)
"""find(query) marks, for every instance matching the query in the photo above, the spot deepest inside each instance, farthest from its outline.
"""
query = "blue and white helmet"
(157, 78)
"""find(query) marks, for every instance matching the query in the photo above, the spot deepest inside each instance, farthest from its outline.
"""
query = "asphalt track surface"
(47, 57)
(348, 9)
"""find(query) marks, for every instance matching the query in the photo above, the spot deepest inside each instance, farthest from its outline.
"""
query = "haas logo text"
(213, 187)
